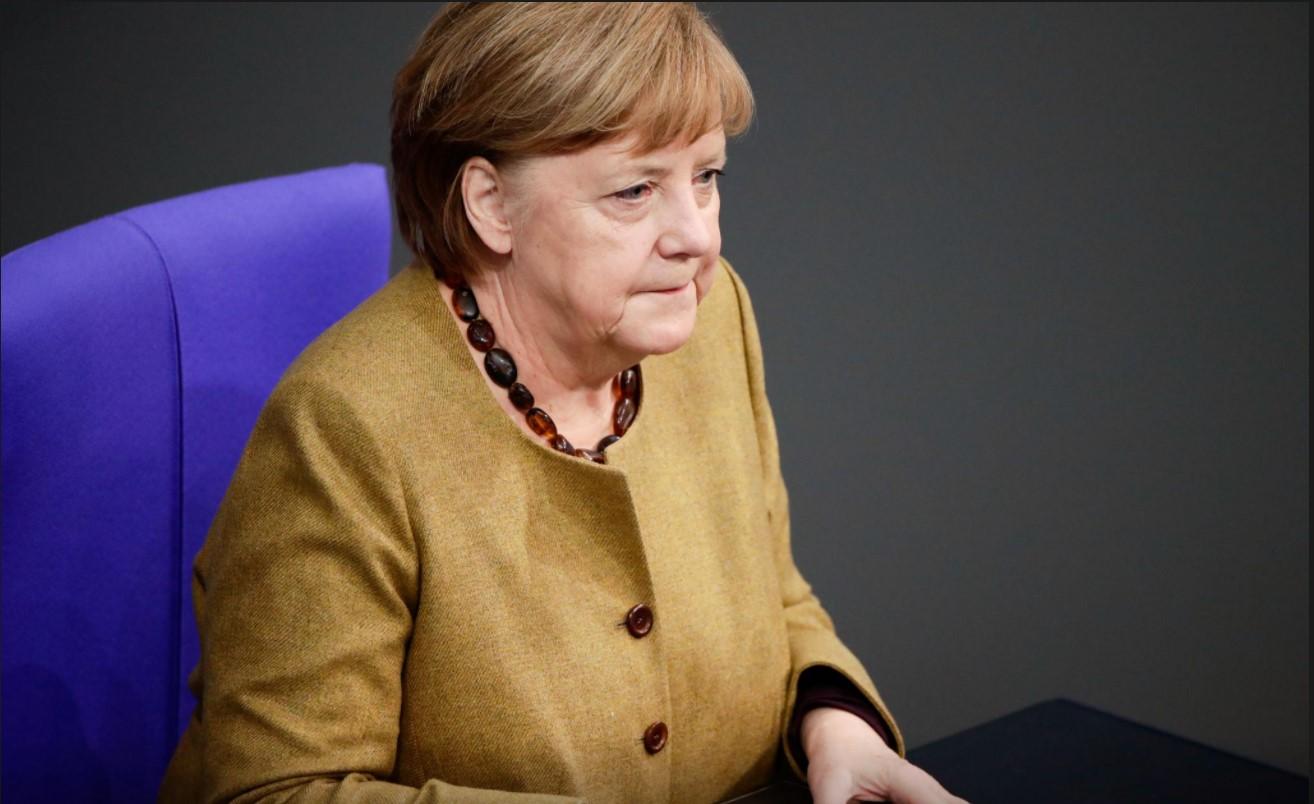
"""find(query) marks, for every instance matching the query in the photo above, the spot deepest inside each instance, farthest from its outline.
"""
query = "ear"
(483, 191)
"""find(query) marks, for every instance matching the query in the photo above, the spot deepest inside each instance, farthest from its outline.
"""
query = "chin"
(664, 337)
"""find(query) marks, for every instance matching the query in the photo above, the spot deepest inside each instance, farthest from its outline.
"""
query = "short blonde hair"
(509, 80)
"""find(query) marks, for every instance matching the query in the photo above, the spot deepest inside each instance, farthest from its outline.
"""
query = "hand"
(848, 761)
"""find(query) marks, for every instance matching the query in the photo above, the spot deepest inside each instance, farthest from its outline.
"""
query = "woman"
(515, 529)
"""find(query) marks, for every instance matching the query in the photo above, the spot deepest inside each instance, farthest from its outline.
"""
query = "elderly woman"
(515, 528)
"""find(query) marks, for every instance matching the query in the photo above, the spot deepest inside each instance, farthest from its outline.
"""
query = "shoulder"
(372, 340)
(725, 315)
(375, 360)
(725, 339)
(735, 282)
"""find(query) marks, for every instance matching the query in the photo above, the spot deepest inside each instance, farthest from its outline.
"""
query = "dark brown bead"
(541, 423)
(480, 334)
(560, 444)
(592, 455)
(629, 382)
(521, 397)
(654, 737)
(500, 367)
(624, 416)
(466, 306)
(638, 621)
(606, 441)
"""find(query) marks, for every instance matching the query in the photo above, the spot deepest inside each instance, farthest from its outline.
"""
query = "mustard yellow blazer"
(406, 598)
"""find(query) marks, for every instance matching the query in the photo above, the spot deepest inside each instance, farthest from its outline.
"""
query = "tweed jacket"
(406, 598)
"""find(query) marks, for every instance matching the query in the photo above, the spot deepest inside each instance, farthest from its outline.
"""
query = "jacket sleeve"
(305, 593)
(812, 637)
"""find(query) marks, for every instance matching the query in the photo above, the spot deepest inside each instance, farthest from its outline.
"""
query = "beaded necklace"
(627, 387)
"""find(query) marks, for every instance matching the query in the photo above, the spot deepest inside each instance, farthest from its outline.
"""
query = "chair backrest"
(137, 352)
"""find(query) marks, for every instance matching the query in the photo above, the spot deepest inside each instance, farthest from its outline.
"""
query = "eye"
(635, 193)
(709, 176)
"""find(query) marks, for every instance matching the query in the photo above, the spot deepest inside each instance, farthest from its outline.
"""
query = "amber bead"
(520, 396)
(607, 441)
(480, 334)
(560, 444)
(500, 367)
(466, 306)
(624, 416)
(540, 422)
(591, 454)
(628, 382)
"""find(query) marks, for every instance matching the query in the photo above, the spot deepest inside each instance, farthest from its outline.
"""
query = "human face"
(618, 247)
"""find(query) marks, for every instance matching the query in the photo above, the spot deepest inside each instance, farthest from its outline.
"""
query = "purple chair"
(137, 352)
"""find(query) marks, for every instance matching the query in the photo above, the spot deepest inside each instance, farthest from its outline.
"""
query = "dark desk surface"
(1060, 751)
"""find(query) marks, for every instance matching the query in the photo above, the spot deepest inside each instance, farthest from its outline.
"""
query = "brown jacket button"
(654, 737)
(639, 621)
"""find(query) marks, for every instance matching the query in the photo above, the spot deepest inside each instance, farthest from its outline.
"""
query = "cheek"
(606, 271)
(571, 251)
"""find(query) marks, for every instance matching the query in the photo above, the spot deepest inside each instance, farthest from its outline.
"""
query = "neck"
(569, 380)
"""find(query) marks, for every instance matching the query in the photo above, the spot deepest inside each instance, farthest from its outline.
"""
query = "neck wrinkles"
(574, 388)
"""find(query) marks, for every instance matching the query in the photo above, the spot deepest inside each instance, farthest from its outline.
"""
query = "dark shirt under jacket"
(822, 686)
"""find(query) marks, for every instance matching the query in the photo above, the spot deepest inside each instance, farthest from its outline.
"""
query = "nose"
(688, 229)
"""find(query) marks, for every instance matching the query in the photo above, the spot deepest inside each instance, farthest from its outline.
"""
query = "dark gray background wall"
(1033, 283)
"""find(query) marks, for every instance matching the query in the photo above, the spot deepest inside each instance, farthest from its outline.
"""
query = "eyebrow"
(654, 169)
